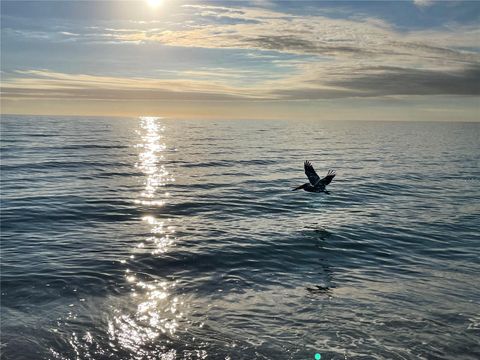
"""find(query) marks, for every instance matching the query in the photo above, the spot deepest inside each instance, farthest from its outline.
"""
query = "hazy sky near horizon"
(402, 60)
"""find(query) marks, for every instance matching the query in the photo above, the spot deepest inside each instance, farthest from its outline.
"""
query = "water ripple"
(156, 239)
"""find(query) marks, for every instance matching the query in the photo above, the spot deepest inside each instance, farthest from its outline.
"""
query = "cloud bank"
(327, 58)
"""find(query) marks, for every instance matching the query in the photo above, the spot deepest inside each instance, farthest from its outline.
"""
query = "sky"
(341, 60)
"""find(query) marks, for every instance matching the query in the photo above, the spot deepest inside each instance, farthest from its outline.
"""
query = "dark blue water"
(160, 239)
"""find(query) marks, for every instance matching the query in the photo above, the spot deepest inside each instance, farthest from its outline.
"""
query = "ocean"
(151, 238)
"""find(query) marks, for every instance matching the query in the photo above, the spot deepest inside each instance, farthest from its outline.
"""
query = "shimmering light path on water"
(152, 238)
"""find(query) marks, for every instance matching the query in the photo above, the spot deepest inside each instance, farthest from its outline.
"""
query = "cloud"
(388, 81)
(308, 57)
(400, 81)
(44, 84)
(423, 3)
(268, 30)
(365, 82)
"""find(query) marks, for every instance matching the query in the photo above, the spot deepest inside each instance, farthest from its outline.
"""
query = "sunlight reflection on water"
(158, 312)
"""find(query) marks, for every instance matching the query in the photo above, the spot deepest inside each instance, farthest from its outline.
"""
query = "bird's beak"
(298, 188)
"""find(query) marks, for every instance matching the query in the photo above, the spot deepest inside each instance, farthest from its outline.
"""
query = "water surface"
(152, 238)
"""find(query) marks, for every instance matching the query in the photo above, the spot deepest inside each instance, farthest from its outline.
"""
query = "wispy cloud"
(386, 81)
(367, 39)
(37, 84)
(423, 3)
(319, 58)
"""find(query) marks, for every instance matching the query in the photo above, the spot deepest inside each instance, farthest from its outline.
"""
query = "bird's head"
(300, 187)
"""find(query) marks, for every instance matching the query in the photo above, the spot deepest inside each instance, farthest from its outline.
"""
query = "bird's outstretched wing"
(328, 179)
(311, 173)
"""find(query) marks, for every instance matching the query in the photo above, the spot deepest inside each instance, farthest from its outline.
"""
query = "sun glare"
(154, 3)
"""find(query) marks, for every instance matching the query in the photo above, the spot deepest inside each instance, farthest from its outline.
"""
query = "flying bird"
(316, 184)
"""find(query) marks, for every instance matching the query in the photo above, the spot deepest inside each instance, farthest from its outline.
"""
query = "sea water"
(152, 238)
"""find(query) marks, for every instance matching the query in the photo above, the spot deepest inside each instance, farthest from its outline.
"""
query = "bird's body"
(316, 184)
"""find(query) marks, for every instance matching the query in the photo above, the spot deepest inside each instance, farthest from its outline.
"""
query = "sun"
(154, 3)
